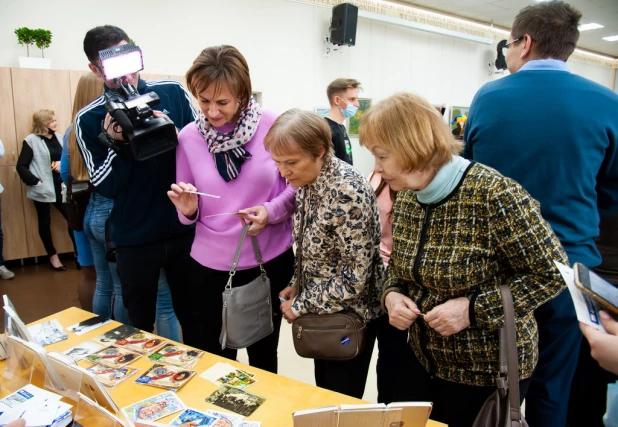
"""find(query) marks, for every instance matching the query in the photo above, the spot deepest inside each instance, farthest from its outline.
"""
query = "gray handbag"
(247, 309)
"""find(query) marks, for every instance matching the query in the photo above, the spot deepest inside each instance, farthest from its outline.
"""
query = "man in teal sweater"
(557, 134)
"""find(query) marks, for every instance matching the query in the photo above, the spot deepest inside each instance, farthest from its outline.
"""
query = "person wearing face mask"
(343, 98)
(39, 168)
(223, 154)
(143, 224)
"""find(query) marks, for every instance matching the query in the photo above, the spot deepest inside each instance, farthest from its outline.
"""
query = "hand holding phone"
(603, 292)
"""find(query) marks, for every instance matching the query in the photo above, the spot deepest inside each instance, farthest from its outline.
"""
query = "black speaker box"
(343, 25)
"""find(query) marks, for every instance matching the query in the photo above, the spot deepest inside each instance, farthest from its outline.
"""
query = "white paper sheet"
(586, 308)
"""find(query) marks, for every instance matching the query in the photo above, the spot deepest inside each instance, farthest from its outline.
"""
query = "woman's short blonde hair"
(408, 126)
(40, 120)
(89, 88)
(299, 130)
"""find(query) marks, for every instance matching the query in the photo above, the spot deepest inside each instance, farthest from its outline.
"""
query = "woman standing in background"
(39, 168)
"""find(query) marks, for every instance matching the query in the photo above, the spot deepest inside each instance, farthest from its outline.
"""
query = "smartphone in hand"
(603, 292)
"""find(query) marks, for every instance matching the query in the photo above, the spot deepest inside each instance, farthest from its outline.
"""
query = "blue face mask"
(349, 111)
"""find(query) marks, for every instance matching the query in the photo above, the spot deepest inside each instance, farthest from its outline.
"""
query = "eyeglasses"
(506, 46)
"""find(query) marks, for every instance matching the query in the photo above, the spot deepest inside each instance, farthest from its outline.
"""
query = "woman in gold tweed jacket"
(460, 229)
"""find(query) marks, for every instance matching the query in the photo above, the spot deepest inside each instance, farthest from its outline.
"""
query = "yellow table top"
(283, 395)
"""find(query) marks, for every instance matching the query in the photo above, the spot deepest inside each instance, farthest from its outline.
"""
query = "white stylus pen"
(201, 194)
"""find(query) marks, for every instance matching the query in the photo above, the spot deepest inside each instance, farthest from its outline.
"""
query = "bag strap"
(508, 351)
(69, 180)
(299, 244)
(299, 256)
(256, 251)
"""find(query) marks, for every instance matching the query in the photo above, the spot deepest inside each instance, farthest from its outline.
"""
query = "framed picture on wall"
(457, 121)
(322, 112)
(365, 103)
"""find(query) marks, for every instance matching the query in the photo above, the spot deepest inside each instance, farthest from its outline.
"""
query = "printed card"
(166, 376)
(141, 342)
(155, 407)
(224, 373)
(194, 418)
(47, 332)
(232, 418)
(88, 325)
(111, 377)
(177, 355)
(113, 357)
(236, 400)
(110, 337)
(82, 350)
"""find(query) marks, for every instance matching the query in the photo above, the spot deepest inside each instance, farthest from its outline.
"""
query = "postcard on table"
(223, 373)
(88, 325)
(110, 337)
(111, 377)
(193, 418)
(233, 418)
(141, 342)
(155, 407)
(81, 350)
(236, 400)
(177, 355)
(166, 376)
(114, 357)
(48, 332)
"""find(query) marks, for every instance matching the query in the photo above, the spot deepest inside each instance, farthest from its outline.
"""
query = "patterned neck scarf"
(227, 147)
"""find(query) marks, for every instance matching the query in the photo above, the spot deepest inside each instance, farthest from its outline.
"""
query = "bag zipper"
(319, 328)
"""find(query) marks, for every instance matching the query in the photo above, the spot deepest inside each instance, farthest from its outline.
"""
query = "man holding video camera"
(143, 223)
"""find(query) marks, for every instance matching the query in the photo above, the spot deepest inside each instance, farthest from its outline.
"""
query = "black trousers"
(202, 304)
(43, 212)
(454, 404)
(349, 376)
(392, 344)
(138, 268)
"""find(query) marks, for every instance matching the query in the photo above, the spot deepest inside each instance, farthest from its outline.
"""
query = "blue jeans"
(167, 322)
(108, 283)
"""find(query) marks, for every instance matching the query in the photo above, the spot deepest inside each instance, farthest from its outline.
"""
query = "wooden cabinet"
(22, 92)
(13, 223)
(40, 89)
(7, 119)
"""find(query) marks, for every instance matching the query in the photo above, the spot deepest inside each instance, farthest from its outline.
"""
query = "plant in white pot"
(42, 38)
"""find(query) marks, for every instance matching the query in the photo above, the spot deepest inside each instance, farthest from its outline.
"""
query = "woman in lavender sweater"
(223, 154)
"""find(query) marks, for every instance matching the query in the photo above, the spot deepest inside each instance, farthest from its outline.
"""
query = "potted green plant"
(25, 37)
(41, 38)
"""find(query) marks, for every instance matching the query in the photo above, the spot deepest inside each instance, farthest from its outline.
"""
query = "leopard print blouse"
(341, 243)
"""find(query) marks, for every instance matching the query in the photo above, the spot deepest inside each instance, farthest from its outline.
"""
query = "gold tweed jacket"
(488, 231)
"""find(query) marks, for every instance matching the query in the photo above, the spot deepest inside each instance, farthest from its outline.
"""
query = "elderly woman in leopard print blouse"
(340, 242)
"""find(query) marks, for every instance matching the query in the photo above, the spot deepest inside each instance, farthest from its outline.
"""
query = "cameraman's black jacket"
(142, 211)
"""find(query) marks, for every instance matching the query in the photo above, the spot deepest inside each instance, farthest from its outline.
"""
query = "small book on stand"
(396, 414)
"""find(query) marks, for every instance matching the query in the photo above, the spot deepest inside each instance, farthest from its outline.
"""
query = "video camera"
(147, 135)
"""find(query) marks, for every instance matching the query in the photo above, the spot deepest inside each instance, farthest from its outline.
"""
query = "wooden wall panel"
(74, 76)
(37, 89)
(7, 120)
(32, 90)
(13, 223)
